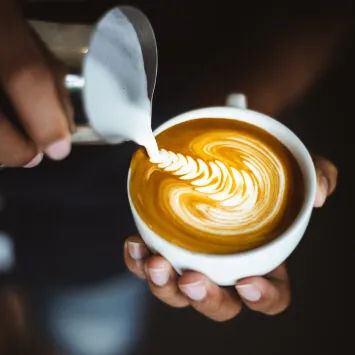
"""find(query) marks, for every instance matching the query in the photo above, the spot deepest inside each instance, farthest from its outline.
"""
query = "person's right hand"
(269, 294)
(34, 82)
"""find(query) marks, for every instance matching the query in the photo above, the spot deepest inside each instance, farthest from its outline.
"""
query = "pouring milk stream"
(115, 94)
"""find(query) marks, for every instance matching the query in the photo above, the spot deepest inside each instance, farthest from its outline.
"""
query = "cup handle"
(237, 100)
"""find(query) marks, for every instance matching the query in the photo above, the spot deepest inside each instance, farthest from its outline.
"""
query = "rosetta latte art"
(222, 196)
(218, 186)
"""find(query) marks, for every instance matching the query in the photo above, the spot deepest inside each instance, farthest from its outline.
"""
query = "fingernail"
(159, 276)
(35, 161)
(59, 149)
(322, 192)
(137, 251)
(196, 291)
(249, 292)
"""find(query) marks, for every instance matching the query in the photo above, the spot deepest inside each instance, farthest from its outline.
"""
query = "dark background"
(187, 37)
(316, 322)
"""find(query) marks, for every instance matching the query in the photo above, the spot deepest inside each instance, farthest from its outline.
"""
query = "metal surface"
(89, 124)
(148, 43)
(86, 133)
(115, 94)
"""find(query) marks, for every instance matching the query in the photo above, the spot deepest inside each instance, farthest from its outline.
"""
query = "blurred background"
(63, 224)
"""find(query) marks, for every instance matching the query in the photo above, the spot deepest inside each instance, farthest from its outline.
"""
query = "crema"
(218, 186)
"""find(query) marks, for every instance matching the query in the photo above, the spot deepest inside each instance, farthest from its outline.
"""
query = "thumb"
(327, 176)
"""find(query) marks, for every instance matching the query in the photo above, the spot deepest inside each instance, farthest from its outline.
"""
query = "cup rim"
(220, 112)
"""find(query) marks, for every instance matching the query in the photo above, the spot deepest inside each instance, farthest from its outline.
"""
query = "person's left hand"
(269, 294)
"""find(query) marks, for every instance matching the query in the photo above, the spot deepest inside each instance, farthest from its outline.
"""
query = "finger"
(135, 252)
(269, 295)
(28, 81)
(59, 71)
(327, 175)
(217, 303)
(162, 280)
(16, 150)
(59, 74)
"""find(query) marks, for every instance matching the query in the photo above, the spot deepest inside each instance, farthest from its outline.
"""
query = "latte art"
(219, 188)
(239, 199)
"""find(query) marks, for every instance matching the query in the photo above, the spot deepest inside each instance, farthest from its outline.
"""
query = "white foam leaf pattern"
(219, 196)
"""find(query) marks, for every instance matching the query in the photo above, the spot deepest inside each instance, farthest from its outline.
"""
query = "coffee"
(220, 186)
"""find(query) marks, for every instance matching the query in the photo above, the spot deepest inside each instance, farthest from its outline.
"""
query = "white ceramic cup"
(227, 269)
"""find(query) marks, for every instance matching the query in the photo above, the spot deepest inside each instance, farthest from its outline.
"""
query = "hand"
(327, 177)
(269, 294)
(34, 82)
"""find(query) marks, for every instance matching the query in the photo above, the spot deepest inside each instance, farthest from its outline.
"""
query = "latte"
(219, 186)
